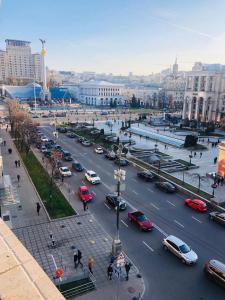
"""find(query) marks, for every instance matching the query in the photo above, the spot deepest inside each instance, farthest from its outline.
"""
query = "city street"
(165, 276)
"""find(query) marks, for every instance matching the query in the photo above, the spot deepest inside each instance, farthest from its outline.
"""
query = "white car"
(99, 150)
(92, 177)
(44, 139)
(180, 249)
(65, 172)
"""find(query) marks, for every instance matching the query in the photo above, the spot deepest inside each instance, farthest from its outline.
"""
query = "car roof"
(83, 188)
(198, 201)
(175, 240)
(217, 264)
(137, 213)
(63, 168)
(91, 172)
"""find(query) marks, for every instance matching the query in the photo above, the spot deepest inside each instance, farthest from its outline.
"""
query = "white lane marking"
(83, 182)
(149, 247)
(135, 180)
(170, 203)
(125, 224)
(135, 192)
(178, 223)
(196, 219)
(93, 192)
(109, 174)
(106, 185)
(107, 206)
(156, 207)
(160, 230)
(150, 190)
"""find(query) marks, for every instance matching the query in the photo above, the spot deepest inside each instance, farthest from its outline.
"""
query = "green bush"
(190, 141)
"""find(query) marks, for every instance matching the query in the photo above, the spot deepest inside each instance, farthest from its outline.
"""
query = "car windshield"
(78, 165)
(86, 192)
(203, 204)
(184, 248)
(93, 175)
(65, 170)
(142, 218)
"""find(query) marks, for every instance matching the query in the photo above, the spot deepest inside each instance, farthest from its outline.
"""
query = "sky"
(118, 36)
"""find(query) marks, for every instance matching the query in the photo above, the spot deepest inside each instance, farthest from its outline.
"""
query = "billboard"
(221, 159)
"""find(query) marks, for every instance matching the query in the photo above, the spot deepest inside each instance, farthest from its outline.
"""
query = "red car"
(84, 193)
(196, 204)
(140, 220)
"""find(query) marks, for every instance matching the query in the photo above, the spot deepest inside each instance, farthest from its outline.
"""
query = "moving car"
(58, 147)
(180, 249)
(80, 139)
(61, 129)
(67, 155)
(218, 217)
(44, 139)
(146, 175)
(110, 155)
(77, 166)
(166, 186)
(115, 201)
(86, 143)
(140, 220)
(43, 149)
(121, 162)
(84, 193)
(92, 177)
(196, 204)
(65, 172)
(215, 270)
(99, 150)
(71, 135)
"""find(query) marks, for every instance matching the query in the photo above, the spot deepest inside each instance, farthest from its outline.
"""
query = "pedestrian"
(62, 178)
(18, 178)
(215, 160)
(222, 180)
(10, 151)
(7, 126)
(51, 235)
(38, 208)
(16, 163)
(4, 143)
(43, 159)
(165, 147)
(127, 268)
(53, 243)
(218, 180)
(79, 257)
(85, 205)
(200, 154)
(110, 271)
(90, 264)
(195, 154)
(75, 258)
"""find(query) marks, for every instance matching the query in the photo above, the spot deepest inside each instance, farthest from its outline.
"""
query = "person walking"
(110, 271)
(62, 178)
(4, 143)
(18, 178)
(75, 258)
(16, 163)
(90, 263)
(10, 151)
(7, 126)
(85, 205)
(79, 257)
(127, 268)
(200, 154)
(38, 208)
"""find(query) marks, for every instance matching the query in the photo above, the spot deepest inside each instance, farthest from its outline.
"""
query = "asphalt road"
(165, 275)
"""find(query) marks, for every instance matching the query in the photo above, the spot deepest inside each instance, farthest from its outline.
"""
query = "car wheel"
(165, 247)
(130, 219)
(183, 261)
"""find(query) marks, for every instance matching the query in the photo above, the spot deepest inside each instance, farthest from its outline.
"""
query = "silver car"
(180, 249)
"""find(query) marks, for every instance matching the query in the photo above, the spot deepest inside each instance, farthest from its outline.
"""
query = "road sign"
(120, 261)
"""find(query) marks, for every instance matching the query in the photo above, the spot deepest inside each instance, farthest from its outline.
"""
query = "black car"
(67, 155)
(80, 139)
(71, 135)
(146, 175)
(51, 142)
(166, 186)
(215, 270)
(121, 162)
(110, 155)
(61, 129)
(218, 217)
(47, 153)
(58, 147)
(115, 201)
(77, 166)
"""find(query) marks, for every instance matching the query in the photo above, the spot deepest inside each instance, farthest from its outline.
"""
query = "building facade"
(204, 98)
(100, 93)
(18, 65)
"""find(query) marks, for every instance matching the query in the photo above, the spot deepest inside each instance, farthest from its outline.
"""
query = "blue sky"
(118, 36)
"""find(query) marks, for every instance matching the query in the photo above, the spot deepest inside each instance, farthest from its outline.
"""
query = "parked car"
(99, 150)
(86, 143)
(215, 270)
(51, 142)
(84, 193)
(71, 135)
(180, 249)
(47, 153)
(58, 147)
(110, 155)
(67, 155)
(103, 113)
(65, 172)
(146, 175)
(138, 218)
(218, 217)
(44, 139)
(80, 139)
(121, 162)
(196, 204)
(77, 166)
(43, 149)
(61, 129)
(166, 186)
(114, 200)
(92, 177)
(211, 175)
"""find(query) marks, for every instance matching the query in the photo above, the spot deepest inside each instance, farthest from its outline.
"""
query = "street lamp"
(119, 175)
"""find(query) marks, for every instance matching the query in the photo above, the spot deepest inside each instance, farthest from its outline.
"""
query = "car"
(211, 175)
(47, 153)
(43, 149)
(146, 175)
(103, 113)
(65, 172)
(92, 177)
(196, 204)
(218, 217)
(111, 155)
(67, 155)
(180, 249)
(115, 201)
(77, 166)
(58, 147)
(44, 139)
(80, 139)
(61, 129)
(86, 143)
(71, 135)
(84, 193)
(166, 186)
(215, 270)
(121, 162)
(51, 142)
(140, 220)
(99, 150)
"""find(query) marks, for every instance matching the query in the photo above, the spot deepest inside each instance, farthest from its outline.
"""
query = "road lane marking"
(125, 224)
(160, 230)
(83, 182)
(135, 192)
(196, 219)
(178, 223)
(156, 207)
(135, 180)
(170, 203)
(93, 192)
(107, 206)
(106, 185)
(149, 247)
(150, 190)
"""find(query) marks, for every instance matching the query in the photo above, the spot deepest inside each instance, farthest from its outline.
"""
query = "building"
(100, 93)
(18, 65)
(204, 98)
